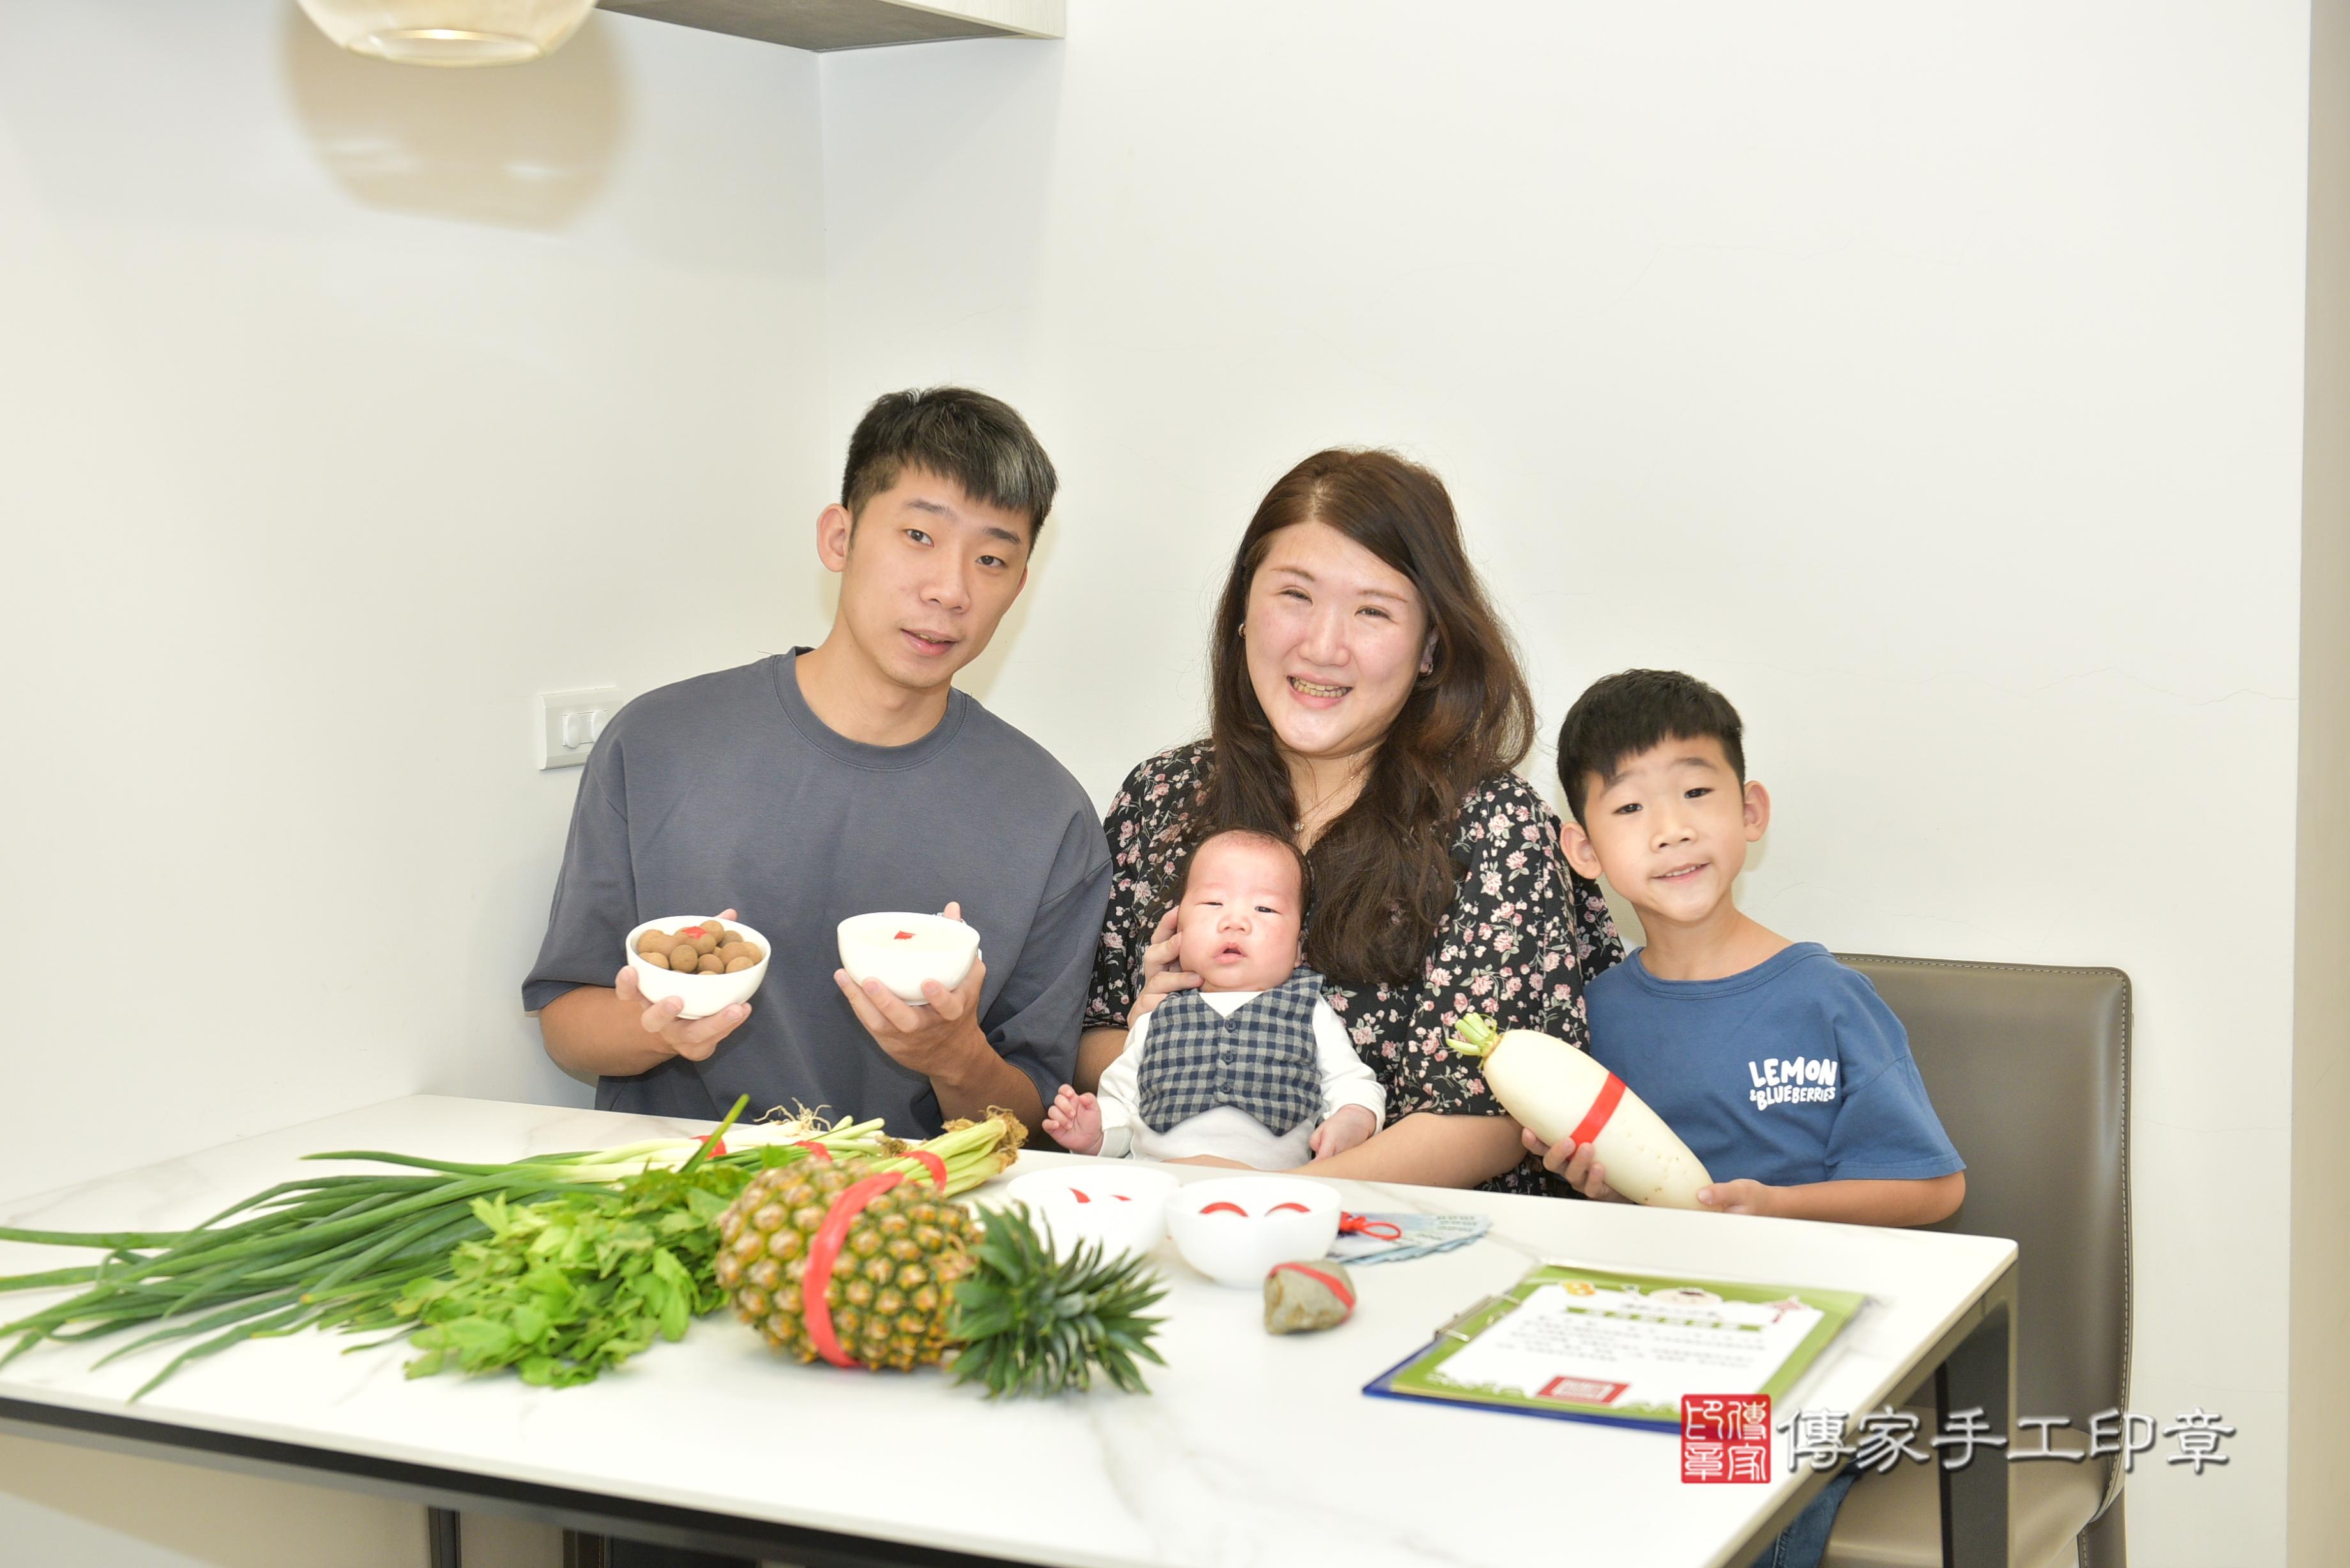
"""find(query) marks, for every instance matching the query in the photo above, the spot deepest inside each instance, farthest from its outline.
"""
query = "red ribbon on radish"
(1594, 1120)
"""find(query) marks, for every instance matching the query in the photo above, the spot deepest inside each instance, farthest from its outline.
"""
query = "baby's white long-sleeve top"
(1228, 1132)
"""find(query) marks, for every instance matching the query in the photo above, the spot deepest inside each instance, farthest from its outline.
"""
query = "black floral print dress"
(1523, 934)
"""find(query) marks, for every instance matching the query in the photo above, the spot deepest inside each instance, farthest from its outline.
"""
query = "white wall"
(1927, 377)
(347, 406)
(342, 407)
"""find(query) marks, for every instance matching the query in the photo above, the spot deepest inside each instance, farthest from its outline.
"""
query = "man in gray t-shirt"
(834, 781)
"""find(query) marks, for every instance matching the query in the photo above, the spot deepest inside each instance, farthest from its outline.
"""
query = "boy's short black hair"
(980, 442)
(1623, 715)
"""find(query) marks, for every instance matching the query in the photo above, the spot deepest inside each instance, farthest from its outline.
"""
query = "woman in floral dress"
(1366, 702)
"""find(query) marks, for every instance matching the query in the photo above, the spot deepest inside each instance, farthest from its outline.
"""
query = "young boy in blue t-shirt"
(1779, 1068)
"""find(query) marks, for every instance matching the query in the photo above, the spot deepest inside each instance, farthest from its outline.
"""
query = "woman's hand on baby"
(1160, 978)
(1578, 1166)
(1074, 1122)
(1343, 1129)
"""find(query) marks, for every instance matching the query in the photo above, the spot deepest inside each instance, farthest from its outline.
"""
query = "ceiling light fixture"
(449, 32)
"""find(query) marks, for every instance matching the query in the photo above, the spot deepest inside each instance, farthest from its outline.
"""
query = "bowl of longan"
(703, 961)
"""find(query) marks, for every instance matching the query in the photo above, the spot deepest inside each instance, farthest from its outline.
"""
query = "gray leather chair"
(2029, 1069)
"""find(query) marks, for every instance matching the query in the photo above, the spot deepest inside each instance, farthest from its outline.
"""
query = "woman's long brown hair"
(1383, 871)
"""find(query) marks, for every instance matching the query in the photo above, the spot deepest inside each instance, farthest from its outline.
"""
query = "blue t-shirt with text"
(1792, 1072)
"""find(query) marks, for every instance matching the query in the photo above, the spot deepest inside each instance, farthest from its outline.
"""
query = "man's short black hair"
(1623, 715)
(978, 442)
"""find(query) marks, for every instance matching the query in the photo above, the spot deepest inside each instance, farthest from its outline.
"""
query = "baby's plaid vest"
(1262, 1059)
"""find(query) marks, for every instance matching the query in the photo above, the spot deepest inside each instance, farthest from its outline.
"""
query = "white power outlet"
(569, 723)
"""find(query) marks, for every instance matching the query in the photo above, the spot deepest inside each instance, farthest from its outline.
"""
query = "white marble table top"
(1250, 1450)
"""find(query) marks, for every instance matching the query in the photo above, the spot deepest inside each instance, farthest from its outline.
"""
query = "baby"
(1252, 1066)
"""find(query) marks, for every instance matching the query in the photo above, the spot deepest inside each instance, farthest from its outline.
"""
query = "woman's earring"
(1240, 631)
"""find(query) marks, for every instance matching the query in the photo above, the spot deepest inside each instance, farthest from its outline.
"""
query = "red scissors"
(1363, 1225)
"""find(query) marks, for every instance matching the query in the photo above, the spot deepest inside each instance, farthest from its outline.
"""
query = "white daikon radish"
(1559, 1092)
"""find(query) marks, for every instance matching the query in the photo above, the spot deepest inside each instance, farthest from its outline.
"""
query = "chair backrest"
(2029, 1069)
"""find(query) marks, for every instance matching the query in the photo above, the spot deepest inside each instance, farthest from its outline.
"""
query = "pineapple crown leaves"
(1032, 1322)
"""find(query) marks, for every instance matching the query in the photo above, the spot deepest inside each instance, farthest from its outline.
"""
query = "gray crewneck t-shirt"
(727, 790)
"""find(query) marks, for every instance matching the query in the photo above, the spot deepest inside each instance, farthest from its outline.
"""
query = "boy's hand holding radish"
(1578, 1165)
(1074, 1121)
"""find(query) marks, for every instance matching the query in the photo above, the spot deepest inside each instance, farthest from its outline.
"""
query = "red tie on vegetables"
(558, 1265)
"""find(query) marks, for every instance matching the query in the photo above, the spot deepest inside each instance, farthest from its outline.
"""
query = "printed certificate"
(1598, 1345)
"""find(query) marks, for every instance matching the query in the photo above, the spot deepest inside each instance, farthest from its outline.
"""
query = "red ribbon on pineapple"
(815, 1285)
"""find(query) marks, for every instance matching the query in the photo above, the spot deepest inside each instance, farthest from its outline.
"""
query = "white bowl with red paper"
(1122, 1206)
(901, 951)
(1232, 1229)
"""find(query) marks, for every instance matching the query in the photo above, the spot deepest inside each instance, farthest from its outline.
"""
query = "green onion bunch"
(362, 1253)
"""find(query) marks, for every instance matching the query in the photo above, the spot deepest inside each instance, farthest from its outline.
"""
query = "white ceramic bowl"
(702, 994)
(901, 951)
(1122, 1206)
(1232, 1229)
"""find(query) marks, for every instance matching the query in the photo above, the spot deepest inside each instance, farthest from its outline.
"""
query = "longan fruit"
(652, 940)
(716, 928)
(705, 943)
(751, 951)
(732, 947)
(654, 956)
(684, 957)
(710, 963)
(738, 965)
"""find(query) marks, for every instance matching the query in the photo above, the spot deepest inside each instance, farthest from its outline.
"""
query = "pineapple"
(916, 1280)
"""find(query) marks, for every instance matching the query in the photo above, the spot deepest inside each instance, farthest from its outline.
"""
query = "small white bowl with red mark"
(1120, 1205)
(702, 994)
(1234, 1228)
(901, 951)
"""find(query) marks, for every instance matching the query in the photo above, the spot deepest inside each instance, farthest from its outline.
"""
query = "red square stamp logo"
(1582, 1390)
(1725, 1438)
